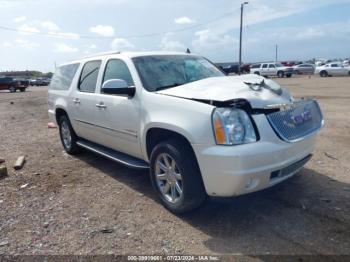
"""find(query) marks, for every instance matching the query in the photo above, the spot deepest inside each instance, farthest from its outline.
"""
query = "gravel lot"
(90, 205)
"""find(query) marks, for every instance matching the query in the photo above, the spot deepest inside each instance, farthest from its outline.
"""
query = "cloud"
(171, 45)
(64, 48)
(64, 35)
(20, 19)
(336, 30)
(90, 48)
(184, 20)
(121, 44)
(6, 44)
(206, 40)
(27, 29)
(102, 30)
(27, 44)
(49, 25)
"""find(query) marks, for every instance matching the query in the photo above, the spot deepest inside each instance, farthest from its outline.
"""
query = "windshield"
(278, 65)
(166, 71)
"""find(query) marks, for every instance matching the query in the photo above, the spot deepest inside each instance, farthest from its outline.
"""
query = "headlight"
(232, 127)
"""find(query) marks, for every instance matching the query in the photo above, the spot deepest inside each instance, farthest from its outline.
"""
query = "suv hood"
(260, 92)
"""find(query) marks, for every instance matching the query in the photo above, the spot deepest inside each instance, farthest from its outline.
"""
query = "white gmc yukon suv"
(199, 132)
(271, 69)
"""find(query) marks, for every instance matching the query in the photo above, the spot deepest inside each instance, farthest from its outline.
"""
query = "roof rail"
(102, 54)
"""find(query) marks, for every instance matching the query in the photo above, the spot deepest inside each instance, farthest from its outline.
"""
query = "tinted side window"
(335, 65)
(63, 77)
(117, 69)
(264, 66)
(88, 78)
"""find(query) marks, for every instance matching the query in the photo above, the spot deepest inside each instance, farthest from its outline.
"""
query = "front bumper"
(236, 170)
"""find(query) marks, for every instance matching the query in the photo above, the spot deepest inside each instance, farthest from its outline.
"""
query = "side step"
(111, 154)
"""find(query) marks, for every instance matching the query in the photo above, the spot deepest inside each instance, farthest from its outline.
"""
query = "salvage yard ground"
(90, 205)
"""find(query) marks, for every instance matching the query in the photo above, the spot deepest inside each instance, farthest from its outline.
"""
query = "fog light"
(251, 183)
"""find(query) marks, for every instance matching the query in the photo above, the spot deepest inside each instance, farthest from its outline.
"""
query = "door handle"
(76, 101)
(101, 105)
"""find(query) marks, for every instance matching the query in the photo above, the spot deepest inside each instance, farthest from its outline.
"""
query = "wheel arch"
(154, 135)
(323, 71)
(59, 111)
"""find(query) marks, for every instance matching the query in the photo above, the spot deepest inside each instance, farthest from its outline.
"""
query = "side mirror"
(118, 87)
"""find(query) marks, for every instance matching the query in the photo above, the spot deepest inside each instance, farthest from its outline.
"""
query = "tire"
(22, 89)
(257, 73)
(289, 75)
(280, 74)
(323, 74)
(68, 137)
(12, 89)
(184, 174)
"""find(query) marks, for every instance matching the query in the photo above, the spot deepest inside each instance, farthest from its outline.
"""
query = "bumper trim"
(289, 170)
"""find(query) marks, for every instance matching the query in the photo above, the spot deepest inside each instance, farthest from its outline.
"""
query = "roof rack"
(102, 54)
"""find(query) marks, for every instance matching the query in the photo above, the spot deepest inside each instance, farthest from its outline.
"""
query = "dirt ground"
(89, 205)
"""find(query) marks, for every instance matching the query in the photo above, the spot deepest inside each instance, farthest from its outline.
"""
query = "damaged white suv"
(199, 132)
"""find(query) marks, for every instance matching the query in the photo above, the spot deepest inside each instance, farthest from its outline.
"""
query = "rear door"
(83, 102)
(118, 119)
(272, 70)
(264, 70)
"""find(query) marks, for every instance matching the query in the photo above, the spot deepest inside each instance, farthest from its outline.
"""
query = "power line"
(73, 35)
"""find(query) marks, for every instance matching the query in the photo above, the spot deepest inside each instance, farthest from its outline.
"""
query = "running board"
(111, 154)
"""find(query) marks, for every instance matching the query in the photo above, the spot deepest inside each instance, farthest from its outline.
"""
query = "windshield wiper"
(168, 86)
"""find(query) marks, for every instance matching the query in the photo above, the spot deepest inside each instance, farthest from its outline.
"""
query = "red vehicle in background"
(11, 84)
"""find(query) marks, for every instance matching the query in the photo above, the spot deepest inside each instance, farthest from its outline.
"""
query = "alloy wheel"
(168, 178)
(66, 135)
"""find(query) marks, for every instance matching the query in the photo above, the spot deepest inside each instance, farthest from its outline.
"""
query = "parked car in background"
(32, 82)
(231, 69)
(41, 82)
(304, 69)
(11, 84)
(271, 69)
(332, 69)
(290, 63)
(245, 68)
(199, 132)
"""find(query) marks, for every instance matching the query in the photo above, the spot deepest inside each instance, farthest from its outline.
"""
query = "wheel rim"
(65, 133)
(168, 178)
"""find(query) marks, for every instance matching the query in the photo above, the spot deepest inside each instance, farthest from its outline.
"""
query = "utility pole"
(276, 53)
(240, 39)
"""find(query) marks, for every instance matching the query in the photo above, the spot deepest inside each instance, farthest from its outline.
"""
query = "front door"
(118, 116)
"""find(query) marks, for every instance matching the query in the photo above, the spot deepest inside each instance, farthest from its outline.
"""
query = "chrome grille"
(302, 119)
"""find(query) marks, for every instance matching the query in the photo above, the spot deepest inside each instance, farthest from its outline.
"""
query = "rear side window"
(88, 78)
(117, 69)
(264, 66)
(63, 77)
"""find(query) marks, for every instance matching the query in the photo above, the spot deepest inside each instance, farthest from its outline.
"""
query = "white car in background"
(271, 69)
(332, 69)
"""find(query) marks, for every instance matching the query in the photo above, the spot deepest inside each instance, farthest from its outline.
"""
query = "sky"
(39, 34)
